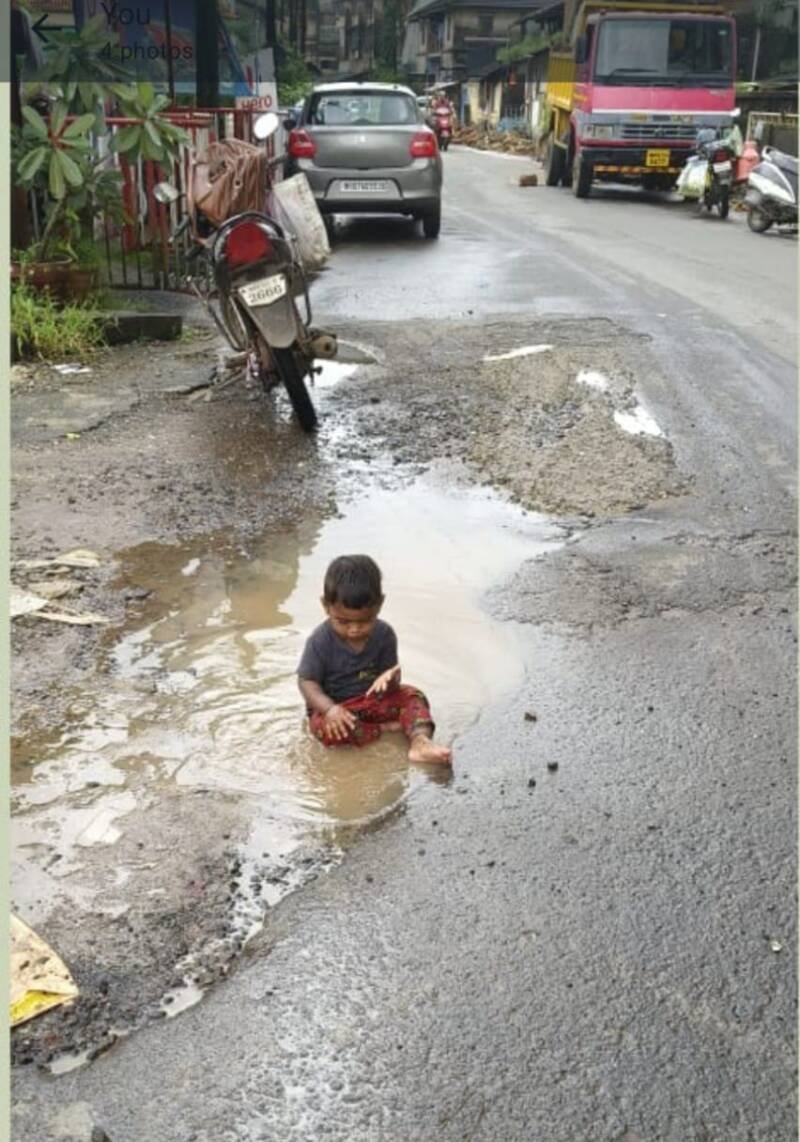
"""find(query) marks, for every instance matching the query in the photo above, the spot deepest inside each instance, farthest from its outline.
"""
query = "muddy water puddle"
(198, 694)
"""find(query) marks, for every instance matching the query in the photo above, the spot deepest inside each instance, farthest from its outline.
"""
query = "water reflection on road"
(201, 690)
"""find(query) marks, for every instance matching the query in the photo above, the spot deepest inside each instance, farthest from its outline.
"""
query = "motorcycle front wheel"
(757, 220)
(295, 385)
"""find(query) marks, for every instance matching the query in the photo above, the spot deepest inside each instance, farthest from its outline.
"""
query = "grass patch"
(48, 331)
(107, 301)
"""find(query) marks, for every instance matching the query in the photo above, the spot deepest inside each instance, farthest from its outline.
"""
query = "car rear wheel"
(432, 223)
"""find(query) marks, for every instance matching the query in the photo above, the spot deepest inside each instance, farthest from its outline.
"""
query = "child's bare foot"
(389, 727)
(424, 750)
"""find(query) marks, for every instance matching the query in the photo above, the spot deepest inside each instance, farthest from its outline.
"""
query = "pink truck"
(626, 103)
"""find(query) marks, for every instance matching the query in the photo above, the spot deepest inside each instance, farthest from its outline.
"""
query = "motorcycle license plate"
(364, 186)
(264, 292)
(722, 168)
(656, 158)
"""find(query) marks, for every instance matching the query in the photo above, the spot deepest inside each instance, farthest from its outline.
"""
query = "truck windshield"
(642, 52)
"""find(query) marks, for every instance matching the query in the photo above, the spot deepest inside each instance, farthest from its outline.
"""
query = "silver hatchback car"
(365, 150)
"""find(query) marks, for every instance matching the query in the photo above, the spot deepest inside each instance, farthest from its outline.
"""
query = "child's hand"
(339, 722)
(385, 681)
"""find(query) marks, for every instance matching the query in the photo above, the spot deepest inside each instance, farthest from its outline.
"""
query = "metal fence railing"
(137, 253)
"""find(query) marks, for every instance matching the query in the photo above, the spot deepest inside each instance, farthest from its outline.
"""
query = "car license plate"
(364, 186)
(264, 292)
(656, 159)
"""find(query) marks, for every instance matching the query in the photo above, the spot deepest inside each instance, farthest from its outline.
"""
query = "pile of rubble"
(485, 139)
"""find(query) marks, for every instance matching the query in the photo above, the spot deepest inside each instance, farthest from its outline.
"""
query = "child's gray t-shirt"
(344, 673)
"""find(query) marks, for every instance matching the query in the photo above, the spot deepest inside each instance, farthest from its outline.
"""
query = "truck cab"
(641, 80)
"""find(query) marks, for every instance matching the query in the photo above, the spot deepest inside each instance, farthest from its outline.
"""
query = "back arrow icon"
(37, 27)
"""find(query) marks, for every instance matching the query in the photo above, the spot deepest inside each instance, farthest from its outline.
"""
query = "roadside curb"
(122, 327)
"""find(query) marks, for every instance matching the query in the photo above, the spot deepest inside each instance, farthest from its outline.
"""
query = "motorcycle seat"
(787, 163)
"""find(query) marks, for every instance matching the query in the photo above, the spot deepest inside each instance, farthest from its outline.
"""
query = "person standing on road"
(349, 674)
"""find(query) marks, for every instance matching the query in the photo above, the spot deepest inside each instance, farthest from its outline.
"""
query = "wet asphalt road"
(608, 954)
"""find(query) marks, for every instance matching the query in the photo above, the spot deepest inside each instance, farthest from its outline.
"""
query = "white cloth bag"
(294, 208)
(692, 179)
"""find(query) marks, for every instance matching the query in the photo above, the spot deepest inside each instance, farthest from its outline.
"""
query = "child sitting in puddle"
(349, 675)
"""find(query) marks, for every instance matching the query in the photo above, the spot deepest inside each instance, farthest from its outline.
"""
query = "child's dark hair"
(354, 581)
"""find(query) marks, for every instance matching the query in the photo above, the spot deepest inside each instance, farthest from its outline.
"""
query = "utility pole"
(207, 53)
(293, 23)
(271, 24)
(302, 28)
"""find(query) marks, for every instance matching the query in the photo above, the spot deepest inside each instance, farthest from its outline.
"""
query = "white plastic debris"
(776, 945)
(525, 351)
(67, 370)
(594, 379)
(638, 422)
(23, 602)
(80, 557)
(85, 620)
(53, 588)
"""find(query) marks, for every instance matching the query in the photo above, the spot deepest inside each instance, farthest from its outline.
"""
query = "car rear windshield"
(360, 108)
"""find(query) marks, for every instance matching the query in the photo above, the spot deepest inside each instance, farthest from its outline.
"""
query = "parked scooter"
(249, 277)
(708, 174)
(772, 191)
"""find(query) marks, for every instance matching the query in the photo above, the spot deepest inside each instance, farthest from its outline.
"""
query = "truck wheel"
(581, 177)
(554, 164)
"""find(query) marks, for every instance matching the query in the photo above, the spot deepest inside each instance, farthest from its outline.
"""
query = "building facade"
(450, 41)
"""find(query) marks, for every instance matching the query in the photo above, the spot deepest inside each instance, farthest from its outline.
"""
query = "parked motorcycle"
(708, 173)
(442, 123)
(246, 271)
(772, 191)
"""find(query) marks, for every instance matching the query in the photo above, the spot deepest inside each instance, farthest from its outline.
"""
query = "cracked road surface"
(588, 934)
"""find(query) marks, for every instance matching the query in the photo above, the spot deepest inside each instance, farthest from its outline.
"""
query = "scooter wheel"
(757, 220)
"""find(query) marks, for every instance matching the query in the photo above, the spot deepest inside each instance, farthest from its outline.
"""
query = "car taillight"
(720, 157)
(247, 243)
(301, 145)
(423, 145)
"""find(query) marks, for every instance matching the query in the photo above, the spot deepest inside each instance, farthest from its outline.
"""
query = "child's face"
(352, 626)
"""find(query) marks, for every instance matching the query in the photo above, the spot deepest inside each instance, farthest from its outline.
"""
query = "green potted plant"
(52, 157)
(55, 158)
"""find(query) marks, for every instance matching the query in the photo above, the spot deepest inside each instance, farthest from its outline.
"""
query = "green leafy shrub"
(48, 331)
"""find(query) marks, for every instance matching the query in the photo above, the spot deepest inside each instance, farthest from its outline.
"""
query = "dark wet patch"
(581, 588)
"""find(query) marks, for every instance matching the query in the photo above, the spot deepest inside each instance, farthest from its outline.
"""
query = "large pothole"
(547, 411)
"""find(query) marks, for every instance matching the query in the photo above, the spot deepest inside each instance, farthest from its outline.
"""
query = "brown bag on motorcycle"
(229, 178)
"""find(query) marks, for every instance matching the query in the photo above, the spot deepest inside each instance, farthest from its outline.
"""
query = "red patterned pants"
(405, 705)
